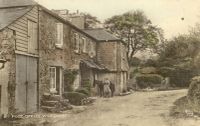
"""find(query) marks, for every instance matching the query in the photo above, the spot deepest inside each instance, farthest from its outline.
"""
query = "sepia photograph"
(99, 62)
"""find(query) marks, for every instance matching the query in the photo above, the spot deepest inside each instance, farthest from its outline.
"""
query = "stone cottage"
(107, 54)
(37, 47)
(111, 53)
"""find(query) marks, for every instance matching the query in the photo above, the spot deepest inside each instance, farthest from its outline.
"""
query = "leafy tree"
(136, 30)
(182, 46)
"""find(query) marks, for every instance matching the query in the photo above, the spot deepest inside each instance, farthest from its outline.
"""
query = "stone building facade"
(37, 47)
(111, 53)
(75, 48)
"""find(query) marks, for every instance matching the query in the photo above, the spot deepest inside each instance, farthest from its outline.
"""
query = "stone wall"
(50, 55)
(8, 72)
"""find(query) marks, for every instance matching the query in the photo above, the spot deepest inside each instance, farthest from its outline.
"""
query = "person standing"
(107, 90)
(100, 86)
(112, 88)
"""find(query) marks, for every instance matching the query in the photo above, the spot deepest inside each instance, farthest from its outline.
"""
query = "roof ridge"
(24, 11)
(8, 7)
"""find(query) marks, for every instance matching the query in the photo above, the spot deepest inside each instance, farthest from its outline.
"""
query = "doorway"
(26, 84)
(56, 80)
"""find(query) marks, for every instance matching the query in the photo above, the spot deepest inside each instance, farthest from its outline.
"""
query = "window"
(77, 43)
(80, 44)
(32, 37)
(56, 80)
(91, 48)
(84, 47)
(53, 79)
(59, 41)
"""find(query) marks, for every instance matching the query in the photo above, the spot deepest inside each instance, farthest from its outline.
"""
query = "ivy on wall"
(7, 44)
(69, 78)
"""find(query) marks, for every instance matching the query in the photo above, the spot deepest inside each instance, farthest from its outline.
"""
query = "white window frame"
(60, 35)
(52, 84)
(84, 47)
(91, 50)
(77, 43)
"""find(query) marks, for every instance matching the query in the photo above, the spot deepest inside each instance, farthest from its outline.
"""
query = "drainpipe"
(38, 62)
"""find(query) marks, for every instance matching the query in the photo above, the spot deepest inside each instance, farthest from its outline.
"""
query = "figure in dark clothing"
(112, 88)
(100, 87)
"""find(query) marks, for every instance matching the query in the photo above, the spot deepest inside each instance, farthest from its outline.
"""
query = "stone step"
(50, 103)
(49, 97)
(50, 109)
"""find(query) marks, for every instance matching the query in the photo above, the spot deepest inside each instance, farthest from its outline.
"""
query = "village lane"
(137, 109)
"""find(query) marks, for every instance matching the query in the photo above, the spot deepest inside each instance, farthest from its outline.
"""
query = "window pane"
(84, 45)
(77, 43)
(59, 34)
(52, 77)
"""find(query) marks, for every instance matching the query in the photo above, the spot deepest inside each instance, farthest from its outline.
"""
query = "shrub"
(86, 85)
(150, 63)
(69, 78)
(166, 71)
(74, 98)
(133, 72)
(131, 84)
(83, 91)
(194, 93)
(135, 61)
(148, 80)
(178, 77)
(148, 70)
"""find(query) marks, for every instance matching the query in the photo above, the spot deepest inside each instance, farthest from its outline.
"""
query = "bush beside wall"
(74, 98)
(178, 77)
(83, 91)
(148, 80)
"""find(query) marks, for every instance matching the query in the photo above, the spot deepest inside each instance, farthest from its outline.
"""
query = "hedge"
(83, 91)
(178, 77)
(148, 70)
(74, 98)
(148, 80)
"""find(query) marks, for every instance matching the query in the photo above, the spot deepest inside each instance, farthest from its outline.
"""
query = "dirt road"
(137, 109)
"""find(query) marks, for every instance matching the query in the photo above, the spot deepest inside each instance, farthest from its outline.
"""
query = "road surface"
(137, 109)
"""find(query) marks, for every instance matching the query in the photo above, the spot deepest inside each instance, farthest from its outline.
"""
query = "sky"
(166, 14)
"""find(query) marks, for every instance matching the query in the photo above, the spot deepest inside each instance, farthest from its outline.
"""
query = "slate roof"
(101, 35)
(11, 10)
(12, 3)
(9, 15)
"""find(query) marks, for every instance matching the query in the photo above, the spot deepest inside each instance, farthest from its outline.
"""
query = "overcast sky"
(166, 14)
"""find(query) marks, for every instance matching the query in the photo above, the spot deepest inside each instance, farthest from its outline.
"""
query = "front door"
(26, 88)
